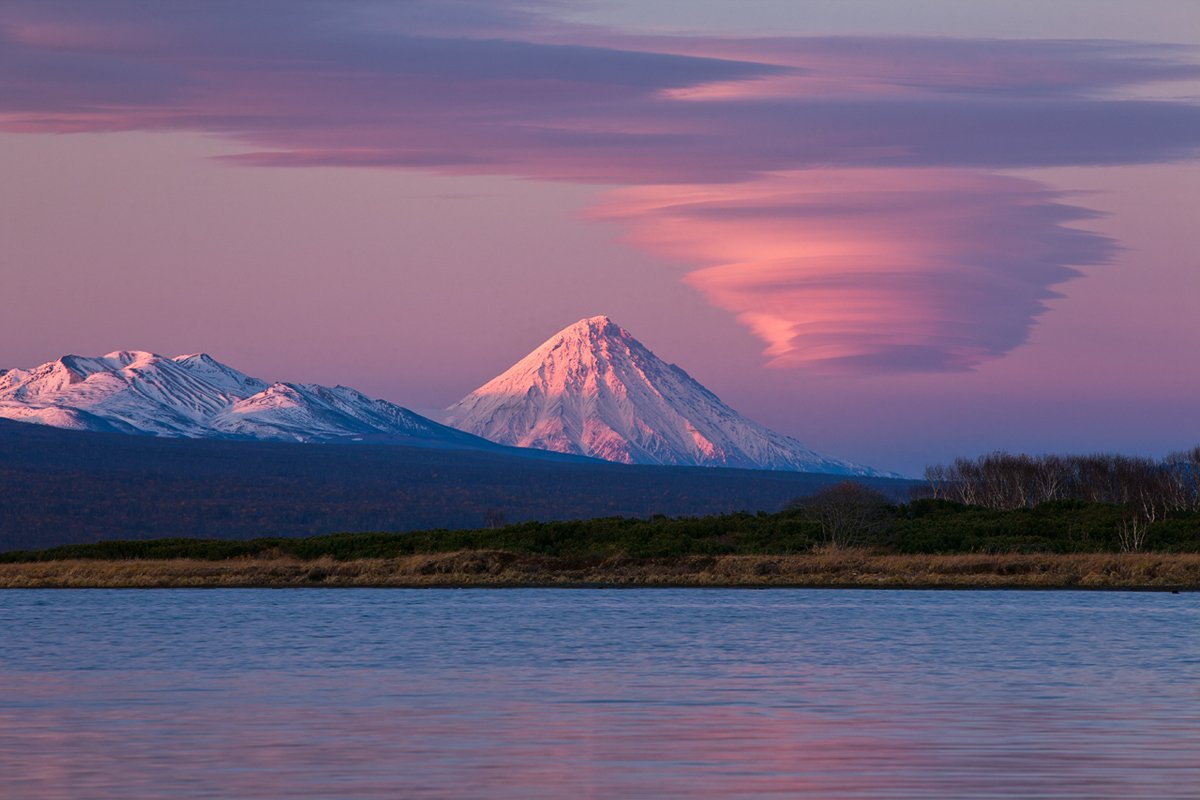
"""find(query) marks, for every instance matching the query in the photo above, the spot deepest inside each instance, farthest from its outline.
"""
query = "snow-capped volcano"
(592, 389)
(196, 396)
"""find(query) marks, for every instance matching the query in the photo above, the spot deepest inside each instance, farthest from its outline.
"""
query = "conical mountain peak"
(590, 329)
(593, 326)
(593, 389)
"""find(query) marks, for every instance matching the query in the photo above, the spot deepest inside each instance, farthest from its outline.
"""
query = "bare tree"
(1131, 533)
(940, 484)
(848, 513)
(1050, 478)
(1184, 468)
(1003, 481)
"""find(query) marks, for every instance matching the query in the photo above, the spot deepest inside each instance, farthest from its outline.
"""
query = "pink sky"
(897, 249)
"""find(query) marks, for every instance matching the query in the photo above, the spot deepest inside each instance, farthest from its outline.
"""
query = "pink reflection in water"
(382, 734)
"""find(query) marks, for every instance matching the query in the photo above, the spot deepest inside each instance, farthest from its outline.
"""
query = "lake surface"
(575, 694)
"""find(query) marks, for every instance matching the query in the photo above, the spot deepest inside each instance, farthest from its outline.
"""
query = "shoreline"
(840, 569)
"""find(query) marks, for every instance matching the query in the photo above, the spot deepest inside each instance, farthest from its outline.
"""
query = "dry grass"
(488, 568)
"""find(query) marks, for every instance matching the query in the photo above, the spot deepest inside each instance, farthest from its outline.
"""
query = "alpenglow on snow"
(592, 389)
(196, 396)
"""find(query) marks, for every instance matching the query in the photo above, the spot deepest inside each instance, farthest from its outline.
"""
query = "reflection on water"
(563, 694)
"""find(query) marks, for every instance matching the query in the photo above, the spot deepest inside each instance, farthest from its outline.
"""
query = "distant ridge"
(196, 396)
(59, 487)
(593, 389)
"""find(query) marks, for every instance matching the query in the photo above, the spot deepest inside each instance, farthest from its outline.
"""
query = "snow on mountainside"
(202, 365)
(196, 396)
(592, 389)
(307, 411)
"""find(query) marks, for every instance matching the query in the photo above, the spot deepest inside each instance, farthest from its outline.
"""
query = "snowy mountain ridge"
(590, 390)
(196, 396)
(593, 389)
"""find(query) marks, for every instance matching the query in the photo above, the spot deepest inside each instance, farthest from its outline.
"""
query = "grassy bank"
(924, 543)
(846, 568)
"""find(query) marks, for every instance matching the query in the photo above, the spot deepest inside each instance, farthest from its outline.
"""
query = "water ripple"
(601, 694)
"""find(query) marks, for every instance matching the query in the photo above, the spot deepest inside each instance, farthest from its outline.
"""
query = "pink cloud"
(880, 270)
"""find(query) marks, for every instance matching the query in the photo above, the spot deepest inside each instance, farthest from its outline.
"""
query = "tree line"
(1145, 489)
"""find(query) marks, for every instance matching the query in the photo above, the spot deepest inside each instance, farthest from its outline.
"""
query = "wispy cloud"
(837, 194)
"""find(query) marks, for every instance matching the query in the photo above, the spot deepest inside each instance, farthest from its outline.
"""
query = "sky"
(900, 232)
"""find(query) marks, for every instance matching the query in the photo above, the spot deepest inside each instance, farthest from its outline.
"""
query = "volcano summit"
(592, 389)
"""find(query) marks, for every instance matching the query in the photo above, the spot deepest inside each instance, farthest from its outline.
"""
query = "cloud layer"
(839, 195)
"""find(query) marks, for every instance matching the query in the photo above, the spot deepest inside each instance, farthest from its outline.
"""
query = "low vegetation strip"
(845, 535)
(486, 568)
(843, 516)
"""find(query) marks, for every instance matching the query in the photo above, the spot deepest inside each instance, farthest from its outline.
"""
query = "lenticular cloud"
(875, 270)
(845, 198)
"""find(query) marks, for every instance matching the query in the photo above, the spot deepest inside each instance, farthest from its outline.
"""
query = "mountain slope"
(306, 411)
(592, 389)
(196, 396)
(127, 389)
(59, 487)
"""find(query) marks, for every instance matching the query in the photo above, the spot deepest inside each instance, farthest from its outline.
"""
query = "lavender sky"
(898, 231)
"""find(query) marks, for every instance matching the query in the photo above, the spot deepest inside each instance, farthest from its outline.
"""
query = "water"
(575, 694)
